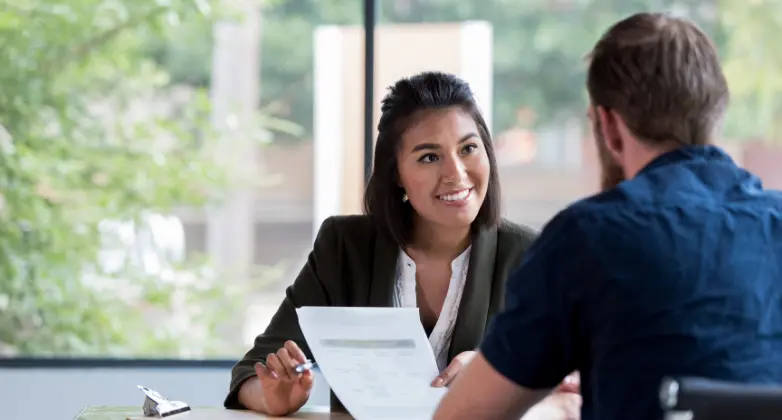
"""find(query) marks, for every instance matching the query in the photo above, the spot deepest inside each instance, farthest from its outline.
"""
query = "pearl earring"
(404, 198)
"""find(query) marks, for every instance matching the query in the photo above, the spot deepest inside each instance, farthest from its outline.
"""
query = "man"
(674, 269)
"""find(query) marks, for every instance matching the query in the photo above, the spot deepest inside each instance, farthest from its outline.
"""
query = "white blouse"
(405, 297)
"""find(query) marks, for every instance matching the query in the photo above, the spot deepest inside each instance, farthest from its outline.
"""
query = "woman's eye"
(428, 158)
(470, 148)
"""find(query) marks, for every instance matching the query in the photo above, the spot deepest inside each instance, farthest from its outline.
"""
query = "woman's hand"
(284, 390)
(454, 368)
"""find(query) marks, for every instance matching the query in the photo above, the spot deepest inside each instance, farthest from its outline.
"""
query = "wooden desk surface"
(103, 412)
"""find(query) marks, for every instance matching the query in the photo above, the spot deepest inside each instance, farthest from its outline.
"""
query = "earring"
(404, 198)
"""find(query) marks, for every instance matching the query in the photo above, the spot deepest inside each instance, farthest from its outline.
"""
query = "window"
(526, 61)
(112, 244)
(114, 144)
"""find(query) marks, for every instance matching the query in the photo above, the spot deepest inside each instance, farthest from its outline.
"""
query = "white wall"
(60, 393)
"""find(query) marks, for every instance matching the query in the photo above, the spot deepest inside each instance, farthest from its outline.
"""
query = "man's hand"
(453, 370)
(481, 392)
(557, 406)
(572, 383)
(564, 403)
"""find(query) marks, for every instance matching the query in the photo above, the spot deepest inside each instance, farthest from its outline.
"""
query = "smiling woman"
(431, 238)
(445, 170)
(433, 149)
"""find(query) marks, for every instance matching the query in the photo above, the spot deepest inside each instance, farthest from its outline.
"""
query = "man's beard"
(611, 173)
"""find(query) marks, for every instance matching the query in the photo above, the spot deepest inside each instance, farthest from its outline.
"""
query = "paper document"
(378, 361)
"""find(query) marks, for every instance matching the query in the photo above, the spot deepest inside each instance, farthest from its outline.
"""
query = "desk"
(102, 412)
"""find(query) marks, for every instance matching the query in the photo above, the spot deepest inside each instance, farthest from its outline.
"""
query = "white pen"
(303, 367)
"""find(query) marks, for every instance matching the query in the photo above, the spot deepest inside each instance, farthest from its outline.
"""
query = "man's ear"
(610, 129)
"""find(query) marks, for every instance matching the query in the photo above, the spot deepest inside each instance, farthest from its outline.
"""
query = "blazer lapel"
(474, 306)
(383, 272)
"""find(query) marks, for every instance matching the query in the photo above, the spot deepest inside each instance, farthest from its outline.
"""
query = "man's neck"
(642, 155)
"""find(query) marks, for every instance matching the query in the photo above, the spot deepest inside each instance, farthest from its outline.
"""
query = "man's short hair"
(662, 75)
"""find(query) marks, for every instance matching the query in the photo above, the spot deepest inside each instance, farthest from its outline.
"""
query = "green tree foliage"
(95, 144)
(753, 65)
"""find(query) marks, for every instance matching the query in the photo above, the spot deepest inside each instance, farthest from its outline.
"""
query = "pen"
(303, 367)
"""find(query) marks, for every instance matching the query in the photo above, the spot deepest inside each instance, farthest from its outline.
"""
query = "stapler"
(156, 405)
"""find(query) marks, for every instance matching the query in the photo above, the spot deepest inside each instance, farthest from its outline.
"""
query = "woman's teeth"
(456, 197)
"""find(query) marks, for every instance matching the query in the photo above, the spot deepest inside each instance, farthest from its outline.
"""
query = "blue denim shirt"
(677, 271)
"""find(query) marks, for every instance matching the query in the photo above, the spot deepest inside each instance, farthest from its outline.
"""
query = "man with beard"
(674, 269)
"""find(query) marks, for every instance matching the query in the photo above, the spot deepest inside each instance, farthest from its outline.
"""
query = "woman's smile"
(458, 197)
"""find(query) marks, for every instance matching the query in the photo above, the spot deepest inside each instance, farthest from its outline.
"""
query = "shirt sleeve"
(531, 341)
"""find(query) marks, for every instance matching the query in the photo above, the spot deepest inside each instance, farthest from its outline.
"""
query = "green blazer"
(353, 264)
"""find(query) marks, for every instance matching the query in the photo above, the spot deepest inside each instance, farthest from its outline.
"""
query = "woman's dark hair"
(405, 100)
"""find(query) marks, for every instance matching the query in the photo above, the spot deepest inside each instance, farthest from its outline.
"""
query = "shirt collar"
(688, 153)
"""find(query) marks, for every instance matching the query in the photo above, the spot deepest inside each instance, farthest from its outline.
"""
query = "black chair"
(707, 399)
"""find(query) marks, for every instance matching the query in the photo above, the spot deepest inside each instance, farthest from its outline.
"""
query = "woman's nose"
(453, 170)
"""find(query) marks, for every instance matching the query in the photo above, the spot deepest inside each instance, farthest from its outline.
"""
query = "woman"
(431, 238)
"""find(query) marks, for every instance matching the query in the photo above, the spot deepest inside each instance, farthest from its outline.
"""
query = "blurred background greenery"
(104, 130)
